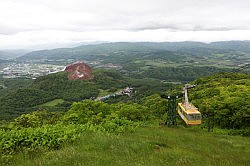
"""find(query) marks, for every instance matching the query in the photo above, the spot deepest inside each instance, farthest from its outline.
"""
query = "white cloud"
(38, 22)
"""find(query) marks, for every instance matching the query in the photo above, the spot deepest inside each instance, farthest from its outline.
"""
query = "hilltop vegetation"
(42, 132)
(223, 99)
(95, 133)
(148, 146)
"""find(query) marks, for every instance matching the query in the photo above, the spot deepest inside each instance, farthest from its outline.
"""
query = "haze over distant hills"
(12, 54)
(121, 52)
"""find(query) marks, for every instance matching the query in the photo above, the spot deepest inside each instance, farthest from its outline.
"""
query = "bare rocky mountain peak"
(79, 70)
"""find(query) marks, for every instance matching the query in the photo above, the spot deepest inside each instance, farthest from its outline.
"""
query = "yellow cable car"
(187, 111)
(190, 114)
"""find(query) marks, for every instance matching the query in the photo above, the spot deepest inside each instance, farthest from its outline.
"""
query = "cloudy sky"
(56, 23)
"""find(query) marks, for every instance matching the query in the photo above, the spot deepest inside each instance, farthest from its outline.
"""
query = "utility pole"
(171, 112)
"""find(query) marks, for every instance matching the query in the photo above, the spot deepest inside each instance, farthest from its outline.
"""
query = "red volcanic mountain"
(78, 70)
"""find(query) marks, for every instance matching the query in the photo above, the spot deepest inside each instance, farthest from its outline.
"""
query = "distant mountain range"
(12, 54)
(90, 52)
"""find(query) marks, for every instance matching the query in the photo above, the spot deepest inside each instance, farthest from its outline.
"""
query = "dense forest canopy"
(225, 98)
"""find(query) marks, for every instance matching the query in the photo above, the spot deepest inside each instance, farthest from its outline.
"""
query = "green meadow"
(150, 146)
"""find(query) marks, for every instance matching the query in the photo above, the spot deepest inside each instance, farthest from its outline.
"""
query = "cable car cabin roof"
(191, 109)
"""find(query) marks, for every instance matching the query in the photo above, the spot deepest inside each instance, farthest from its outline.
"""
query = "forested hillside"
(8, 85)
(140, 48)
(223, 99)
(57, 87)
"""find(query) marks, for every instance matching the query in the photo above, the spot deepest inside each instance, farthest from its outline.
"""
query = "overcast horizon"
(40, 24)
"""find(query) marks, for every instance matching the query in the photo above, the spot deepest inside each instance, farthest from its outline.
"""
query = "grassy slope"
(149, 146)
(53, 103)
